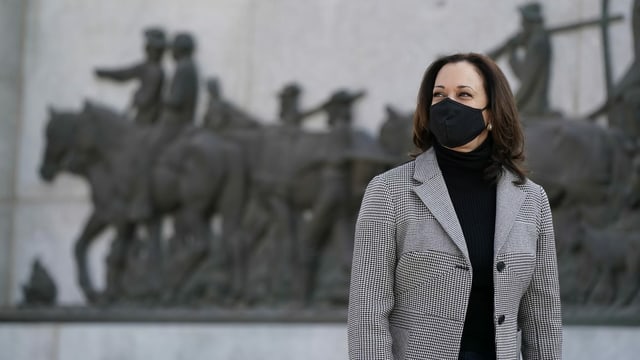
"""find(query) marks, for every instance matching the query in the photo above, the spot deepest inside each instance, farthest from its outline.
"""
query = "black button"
(500, 319)
(500, 266)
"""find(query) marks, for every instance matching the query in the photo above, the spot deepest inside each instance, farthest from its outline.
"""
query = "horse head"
(74, 140)
(395, 133)
(60, 135)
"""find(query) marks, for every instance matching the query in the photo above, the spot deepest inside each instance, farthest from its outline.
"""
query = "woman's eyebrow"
(465, 86)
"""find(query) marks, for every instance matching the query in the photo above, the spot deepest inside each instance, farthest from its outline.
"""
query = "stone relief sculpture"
(40, 290)
(221, 115)
(263, 214)
(182, 94)
(198, 175)
(622, 106)
(530, 56)
(178, 110)
(397, 125)
(146, 101)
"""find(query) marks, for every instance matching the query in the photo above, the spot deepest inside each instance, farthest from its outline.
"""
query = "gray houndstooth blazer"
(411, 275)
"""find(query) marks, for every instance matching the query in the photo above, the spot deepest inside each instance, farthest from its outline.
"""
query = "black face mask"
(454, 124)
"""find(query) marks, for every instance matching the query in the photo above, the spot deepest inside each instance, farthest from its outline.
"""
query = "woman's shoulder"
(402, 172)
(385, 189)
(533, 190)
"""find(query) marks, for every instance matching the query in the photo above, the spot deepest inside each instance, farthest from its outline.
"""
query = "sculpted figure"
(146, 102)
(623, 105)
(41, 290)
(332, 212)
(182, 96)
(395, 134)
(270, 224)
(177, 115)
(530, 54)
(222, 115)
(199, 175)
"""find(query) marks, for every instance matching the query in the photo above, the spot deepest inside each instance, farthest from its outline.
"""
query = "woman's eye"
(464, 94)
(438, 94)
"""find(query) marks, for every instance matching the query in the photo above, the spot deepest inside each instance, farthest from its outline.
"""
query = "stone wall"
(11, 40)
(254, 48)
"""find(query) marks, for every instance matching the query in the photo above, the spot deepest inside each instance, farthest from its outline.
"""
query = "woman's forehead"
(459, 73)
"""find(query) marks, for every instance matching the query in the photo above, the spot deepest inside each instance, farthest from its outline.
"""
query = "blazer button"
(462, 267)
(500, 266)
(500, 319)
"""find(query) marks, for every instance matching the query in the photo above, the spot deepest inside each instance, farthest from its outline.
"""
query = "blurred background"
(50, 49)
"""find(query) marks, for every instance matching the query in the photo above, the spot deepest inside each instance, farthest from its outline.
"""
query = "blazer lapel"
(508, 203)
(433, 193)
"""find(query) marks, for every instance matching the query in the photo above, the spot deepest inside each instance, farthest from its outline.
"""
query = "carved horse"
(578, 162)
(197, 175)
(305, 191)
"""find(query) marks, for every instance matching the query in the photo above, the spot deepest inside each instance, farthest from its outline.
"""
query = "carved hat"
(290, 90)
(184, 42)
(531, 12)
(341, 96)
(155, 37)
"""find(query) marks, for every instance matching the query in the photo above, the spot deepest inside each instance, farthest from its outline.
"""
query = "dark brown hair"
(508, 138)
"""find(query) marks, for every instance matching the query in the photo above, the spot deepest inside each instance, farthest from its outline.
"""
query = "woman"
(454, 251)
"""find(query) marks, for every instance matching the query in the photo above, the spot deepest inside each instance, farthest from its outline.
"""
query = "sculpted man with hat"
(146, 102)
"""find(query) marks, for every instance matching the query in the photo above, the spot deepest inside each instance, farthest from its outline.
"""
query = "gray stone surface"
(11, 25)
(243, 342)
(23, 342)
(9, 103)
(172, 341)
(585, 342)
(10, 77)
(6, 211)
(46, 230)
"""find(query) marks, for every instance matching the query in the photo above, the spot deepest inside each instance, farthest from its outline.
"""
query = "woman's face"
(462, 82)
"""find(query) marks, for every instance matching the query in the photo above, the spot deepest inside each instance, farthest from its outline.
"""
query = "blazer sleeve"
(372, 280)
(540, 315)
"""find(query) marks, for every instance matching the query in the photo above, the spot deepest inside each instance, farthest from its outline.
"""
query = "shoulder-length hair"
(507, 134)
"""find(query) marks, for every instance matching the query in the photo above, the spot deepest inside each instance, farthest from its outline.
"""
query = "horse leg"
(283, 260)
(626, 280)
(239, 242)
(190, 246)
(154, 231)
(314, 239)
(92, 228)
(116, 261)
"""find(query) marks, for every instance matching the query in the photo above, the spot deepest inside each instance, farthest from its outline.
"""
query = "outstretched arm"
(122, 74)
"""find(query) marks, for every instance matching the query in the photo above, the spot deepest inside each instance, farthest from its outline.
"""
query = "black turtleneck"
(474, 200)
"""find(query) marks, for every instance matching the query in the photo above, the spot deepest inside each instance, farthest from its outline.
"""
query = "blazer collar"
(432, 190)
(509, 200)
(433, 193)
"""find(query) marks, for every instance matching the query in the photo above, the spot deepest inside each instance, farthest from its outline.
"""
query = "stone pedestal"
(158, 341)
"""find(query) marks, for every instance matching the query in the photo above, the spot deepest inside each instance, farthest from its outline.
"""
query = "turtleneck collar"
(476, 160)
